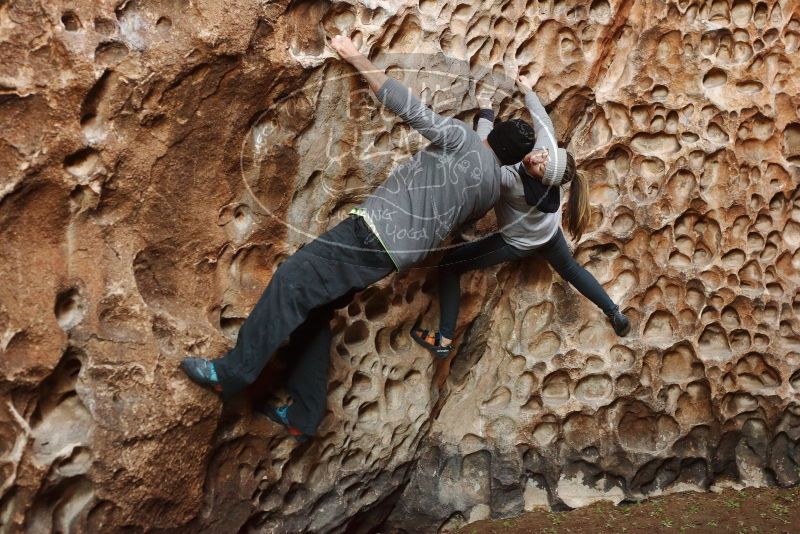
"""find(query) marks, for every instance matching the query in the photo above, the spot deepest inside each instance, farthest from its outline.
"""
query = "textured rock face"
(161, 157)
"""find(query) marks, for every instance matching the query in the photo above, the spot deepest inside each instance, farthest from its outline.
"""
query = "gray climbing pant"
(300, 298)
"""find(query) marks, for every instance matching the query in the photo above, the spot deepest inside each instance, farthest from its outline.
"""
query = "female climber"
(525, 231)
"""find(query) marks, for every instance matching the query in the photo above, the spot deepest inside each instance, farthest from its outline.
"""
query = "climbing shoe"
(431, 341)
(202, 372)
(279, 414)
(621, 324)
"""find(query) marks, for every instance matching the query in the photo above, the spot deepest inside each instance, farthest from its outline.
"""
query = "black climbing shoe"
(621, 324)
(279, 414)
(202, 372)
(431, 341)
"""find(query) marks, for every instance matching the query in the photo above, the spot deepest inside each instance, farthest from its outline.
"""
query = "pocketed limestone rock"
(161, 158)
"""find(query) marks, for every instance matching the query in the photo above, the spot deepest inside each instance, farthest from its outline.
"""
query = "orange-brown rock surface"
(160, 157)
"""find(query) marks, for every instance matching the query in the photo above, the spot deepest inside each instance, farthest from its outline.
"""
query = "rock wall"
(162, 156)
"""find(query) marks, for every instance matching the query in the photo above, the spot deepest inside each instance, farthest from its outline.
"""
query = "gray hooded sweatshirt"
(455, 179)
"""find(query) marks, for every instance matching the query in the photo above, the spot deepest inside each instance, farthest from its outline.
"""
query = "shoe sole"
(200, 380)
(626, 331)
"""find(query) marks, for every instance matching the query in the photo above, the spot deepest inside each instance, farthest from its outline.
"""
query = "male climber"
(454, 179)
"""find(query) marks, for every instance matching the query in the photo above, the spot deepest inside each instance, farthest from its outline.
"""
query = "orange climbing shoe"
(431, 341)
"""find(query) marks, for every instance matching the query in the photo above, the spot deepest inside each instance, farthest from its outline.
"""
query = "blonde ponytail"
(578, 210)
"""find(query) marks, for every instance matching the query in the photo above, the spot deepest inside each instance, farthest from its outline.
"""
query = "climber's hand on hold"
(526, 83)
(539, 155)
(345, 47)
(484, 97)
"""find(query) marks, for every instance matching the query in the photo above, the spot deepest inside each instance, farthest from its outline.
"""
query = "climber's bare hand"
(344, 47)
(539, 155)
(348, 51)
(523, 83)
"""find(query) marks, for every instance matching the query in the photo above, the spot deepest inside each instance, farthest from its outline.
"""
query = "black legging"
(493, 250)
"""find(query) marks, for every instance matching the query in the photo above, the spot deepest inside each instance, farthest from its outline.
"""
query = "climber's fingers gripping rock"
(345, 47)
(348, 51)
(484, 101)
(483, 94)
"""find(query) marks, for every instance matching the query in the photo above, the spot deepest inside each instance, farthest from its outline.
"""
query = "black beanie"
(511, 140)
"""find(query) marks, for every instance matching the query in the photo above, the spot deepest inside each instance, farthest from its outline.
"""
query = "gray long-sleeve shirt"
(455, 179)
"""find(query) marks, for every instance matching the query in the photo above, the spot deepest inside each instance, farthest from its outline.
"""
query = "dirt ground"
(746, 511)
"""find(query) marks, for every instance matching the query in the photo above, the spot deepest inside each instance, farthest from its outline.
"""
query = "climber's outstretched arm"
(551, 167)
(442, 131)
(348, 52)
